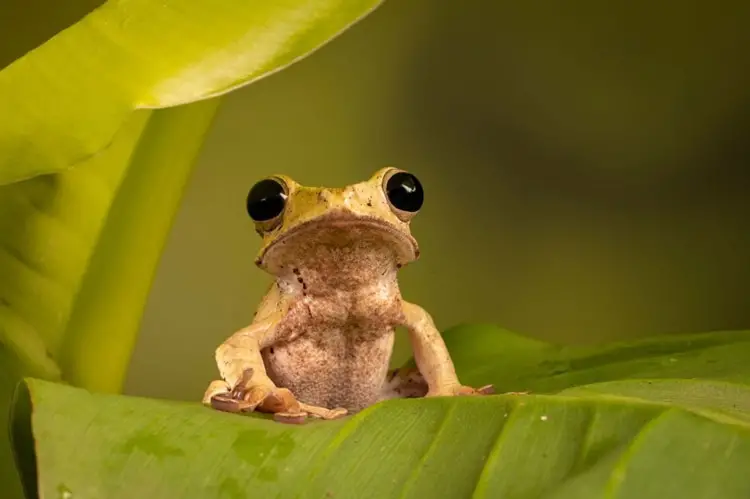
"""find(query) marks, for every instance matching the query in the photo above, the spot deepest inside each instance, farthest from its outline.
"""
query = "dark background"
(585, 166)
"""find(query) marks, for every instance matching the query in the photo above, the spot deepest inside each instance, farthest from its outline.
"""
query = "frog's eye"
(266, 200)
(404, 193)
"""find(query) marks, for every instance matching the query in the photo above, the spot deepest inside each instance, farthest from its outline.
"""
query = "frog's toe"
(223, 399)
(461, 390)
(323, 412)
(279, 400)
(218, 387)
(225, 403)
(486, 390)
(468, 390)
(290, 417)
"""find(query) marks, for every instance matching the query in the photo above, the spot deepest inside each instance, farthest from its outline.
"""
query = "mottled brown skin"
(321, 340)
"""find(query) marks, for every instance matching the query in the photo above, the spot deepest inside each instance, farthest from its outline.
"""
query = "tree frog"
(321, 339)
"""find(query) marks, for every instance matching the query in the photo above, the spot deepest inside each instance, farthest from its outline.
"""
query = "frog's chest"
(338, 352)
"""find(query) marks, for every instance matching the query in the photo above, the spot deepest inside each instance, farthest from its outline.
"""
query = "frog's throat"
(405, 246)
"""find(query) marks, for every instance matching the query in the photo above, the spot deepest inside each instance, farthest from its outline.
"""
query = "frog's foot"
(404, 382)
(250, 394)
(219, 396)
(322, 412)
(460, 390)
(280, 402)
(308, 410)
(408, 382)
(257, 398)
(218, 387)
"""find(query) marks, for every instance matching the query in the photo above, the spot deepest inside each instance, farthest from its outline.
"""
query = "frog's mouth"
(339, 230)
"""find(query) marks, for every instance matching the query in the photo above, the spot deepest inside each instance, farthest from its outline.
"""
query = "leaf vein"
(483, 478)
(341, 437)
(409, 483)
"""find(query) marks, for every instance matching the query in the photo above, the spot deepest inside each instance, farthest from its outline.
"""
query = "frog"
(322, 337)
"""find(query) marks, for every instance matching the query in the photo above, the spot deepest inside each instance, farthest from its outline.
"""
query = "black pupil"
(266, 200)
(405, 192)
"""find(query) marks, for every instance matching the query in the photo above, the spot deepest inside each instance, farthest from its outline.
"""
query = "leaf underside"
(626, 438)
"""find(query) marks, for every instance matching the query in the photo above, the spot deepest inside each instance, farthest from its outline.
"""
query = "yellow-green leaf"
(64, 101)
(78, 251)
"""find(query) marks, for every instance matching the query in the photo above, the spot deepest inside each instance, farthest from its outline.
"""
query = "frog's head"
(301, 226)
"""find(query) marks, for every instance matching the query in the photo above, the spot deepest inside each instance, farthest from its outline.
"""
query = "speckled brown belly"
(339, 367)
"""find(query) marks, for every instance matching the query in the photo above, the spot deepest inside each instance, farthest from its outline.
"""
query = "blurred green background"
(585, 166)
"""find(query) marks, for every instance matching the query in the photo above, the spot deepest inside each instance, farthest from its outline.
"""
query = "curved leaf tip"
(63, 102)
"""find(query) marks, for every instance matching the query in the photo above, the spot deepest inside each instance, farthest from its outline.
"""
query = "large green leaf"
(640, 439)
(78, 249)
(64, 101)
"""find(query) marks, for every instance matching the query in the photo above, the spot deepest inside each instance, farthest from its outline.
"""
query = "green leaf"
(78, 251)
(489, 354)
(61, 104)
(640, 439)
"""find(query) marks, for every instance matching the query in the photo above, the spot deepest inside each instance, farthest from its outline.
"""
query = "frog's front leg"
(245, 385)
(408, 382)
(433, 361)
